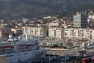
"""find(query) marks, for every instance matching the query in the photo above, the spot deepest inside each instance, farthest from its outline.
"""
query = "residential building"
(80, 20)
(80, 33)
(56, 32)
(90, 17)
(6, 33)
(55, 29)
(35, 30)
(47, 17)
(2, 25)
(55, 23)
(17, 31)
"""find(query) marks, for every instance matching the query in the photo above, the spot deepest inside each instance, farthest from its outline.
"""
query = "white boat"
(15, 51)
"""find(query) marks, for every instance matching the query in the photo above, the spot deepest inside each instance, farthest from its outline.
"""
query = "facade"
(90, 17)
(61, 33)
(80, 33)
(56, 32)
(80, 20)
(17, 31)
(55, 29)
(5, 33)
(35, 30)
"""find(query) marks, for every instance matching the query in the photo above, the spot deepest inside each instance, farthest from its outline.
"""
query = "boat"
(20, 50)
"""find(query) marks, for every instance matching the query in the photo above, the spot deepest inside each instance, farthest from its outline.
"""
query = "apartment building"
(5, 33)
(56, 31)
(90, 17)
(80, 20)
(17, 31)
(61, 33)
(35, 30)
(80, 33)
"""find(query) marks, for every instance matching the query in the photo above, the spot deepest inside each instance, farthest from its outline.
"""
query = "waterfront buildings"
(80, 33)
(56, 32)
(52, 27)
(35, 30)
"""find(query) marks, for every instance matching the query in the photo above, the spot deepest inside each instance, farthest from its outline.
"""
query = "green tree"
(69, 43)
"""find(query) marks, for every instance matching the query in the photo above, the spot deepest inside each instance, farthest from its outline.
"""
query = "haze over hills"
(29, 8)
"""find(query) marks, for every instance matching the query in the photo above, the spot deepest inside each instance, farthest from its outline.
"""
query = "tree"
(69, 43)
(54, 45)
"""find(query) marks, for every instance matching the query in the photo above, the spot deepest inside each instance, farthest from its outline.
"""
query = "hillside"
(29, 8)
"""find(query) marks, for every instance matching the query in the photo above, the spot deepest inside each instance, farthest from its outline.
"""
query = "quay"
(55, 56)
(73, 52)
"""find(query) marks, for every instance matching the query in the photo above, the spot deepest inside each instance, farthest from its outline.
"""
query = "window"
(82, 34)
(82, 30)
(31, 30)
(87, 30)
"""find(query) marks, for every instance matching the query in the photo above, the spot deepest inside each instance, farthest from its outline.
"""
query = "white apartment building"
(60, 32)
(35, 30)
(17, 31)
(56, 31)
(80, 33)
(90, 17)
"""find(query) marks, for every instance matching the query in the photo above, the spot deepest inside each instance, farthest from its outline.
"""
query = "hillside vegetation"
(29, 8)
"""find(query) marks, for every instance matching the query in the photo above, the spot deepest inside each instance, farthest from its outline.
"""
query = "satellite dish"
(19, 37)
(10, 36)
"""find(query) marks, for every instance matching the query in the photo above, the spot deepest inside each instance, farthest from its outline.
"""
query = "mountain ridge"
(39, 7)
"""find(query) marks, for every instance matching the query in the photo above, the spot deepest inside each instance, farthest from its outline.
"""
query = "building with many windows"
(5, 33)
(35, 30)
(80, 33)
(17, 31)
(80, 20)
(56, 31)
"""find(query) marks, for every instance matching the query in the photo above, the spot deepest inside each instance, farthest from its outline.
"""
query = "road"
(68, 52)
(57, 60)
(62, 52)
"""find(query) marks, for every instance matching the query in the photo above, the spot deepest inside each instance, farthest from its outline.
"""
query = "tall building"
(80, 20)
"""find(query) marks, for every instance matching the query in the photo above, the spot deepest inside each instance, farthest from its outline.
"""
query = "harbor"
(46, 31)
(56, 56)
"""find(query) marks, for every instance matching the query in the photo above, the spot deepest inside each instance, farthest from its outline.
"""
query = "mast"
(26, 36)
